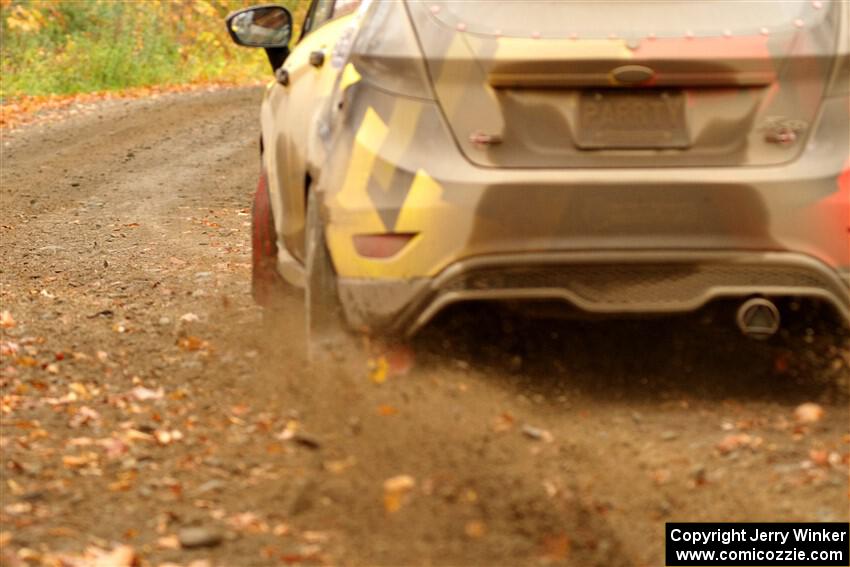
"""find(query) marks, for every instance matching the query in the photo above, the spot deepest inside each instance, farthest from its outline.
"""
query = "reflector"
(383, 245)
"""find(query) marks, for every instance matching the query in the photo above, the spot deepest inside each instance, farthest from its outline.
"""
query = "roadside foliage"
(53, 49)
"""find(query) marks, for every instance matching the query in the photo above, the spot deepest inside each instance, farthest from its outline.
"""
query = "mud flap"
(328, 337)
(267, 286)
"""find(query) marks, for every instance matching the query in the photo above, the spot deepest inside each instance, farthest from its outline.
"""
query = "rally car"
(625, 158)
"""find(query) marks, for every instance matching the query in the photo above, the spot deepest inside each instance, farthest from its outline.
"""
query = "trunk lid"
(628, 84)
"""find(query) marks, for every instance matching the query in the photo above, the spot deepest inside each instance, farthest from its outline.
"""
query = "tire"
(328, 337)
(267, 286)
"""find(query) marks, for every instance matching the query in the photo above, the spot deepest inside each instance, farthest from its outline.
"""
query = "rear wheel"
(267, 286)
(327, 335)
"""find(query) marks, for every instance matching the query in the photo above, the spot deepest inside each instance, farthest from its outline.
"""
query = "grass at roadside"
(64, 47)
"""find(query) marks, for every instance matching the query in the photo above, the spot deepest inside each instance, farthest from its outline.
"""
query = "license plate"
(632, 120)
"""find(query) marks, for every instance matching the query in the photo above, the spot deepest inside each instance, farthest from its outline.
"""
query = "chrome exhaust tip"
(758, 318)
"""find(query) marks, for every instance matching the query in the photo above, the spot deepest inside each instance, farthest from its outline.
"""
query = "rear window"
(628, 18)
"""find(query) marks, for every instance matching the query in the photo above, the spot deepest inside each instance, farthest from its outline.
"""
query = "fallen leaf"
(248, 522)
(475, 529)
(126, 480)
(164, 437)
(340, 465)
(18, 508)
(288, 430)
(114, 447)
(396, 490)
(8, 348)
(121, 556)
(136, 435)
(315, 537)
(240, 409)
(503, 422)
(378, 370)
(660, 476)
(16, 488)
(79, 461)
(6, 320)
(808, 413)
(737, 441)
(79, 389)
(26, 361)
(168, 542)
(84, 416)
(782, 362)
(143, 394)
(819, 457)
(556, 547)
(386, 410)
(192, 343)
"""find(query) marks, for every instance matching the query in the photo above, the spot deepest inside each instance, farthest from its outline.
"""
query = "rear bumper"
(617, 240)
(606, 282)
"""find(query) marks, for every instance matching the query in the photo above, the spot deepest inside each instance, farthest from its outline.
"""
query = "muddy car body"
(631, 160)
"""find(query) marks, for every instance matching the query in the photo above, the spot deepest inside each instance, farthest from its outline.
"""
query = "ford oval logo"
(632, 74)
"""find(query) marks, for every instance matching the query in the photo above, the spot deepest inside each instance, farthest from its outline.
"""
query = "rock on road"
(147, 410)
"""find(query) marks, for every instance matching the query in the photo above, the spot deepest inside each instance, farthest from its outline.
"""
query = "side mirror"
(261, 26)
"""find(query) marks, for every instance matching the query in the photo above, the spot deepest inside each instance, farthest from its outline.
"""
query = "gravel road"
(150, 411)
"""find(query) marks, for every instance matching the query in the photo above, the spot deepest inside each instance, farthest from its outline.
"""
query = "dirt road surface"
(148, 410)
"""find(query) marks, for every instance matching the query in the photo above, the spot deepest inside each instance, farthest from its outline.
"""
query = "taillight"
(385, 51)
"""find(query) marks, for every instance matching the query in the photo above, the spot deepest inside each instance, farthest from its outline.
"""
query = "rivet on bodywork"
(764, 31)
(727, 33)
(461, 26)
(651, 36)
(689, 34)
(573, 35)
(817, 4)
(799, 23)
(535, 35)
(498, 33)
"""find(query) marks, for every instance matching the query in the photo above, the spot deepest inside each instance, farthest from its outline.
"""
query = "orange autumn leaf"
(386, 410)
(192, 343)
